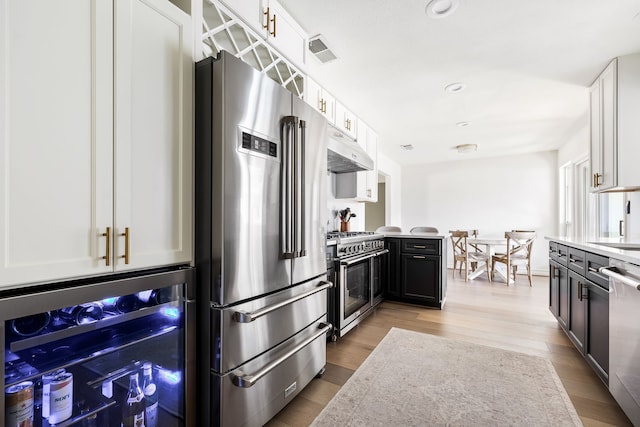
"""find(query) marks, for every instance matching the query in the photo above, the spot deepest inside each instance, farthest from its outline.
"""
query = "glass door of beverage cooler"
(103, 354)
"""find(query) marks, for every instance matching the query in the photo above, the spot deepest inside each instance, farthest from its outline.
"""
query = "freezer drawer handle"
(615, 274)
(244, 317)
(243, 380)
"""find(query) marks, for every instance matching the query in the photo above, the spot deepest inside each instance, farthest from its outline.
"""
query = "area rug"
(415, 379)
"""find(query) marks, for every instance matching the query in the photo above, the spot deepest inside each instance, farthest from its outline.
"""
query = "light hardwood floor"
(515, 318)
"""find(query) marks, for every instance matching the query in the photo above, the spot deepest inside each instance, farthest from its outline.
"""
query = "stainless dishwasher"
(624, 336)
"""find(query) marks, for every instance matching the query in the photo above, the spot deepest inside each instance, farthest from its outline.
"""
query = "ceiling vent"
(318, 46)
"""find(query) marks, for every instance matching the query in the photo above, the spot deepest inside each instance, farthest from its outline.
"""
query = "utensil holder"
(344, 226)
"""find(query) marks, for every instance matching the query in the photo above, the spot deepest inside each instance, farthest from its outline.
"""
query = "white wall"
(492, 195)
(576, 146)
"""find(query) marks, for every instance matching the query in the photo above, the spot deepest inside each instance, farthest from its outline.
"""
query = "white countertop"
(599, 246)
(404, 235)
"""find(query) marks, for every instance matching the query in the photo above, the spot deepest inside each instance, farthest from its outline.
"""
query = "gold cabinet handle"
(273, 33)
(267, 26)
(596, 180)
(107, 256)
(320, 105)
(324, 106)
(126, 245)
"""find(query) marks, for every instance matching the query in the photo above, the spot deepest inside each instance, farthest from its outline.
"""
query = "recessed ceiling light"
(462, 124)
(455, 87)
(466, 148)
(441, 8)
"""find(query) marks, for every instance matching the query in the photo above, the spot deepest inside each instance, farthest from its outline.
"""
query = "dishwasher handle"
(621, 276)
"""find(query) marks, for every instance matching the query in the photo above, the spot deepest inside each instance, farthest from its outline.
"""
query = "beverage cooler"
(100, 353)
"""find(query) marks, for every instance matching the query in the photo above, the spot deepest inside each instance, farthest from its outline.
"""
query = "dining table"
(489, 244)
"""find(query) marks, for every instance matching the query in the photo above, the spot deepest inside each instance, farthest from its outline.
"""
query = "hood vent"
(345, 156)
(318, 46)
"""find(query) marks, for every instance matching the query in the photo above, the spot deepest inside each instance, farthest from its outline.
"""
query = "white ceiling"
(527, 65)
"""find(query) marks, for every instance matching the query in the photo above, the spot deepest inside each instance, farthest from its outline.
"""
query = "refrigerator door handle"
(286, 176)
(302, 211)
(248, 317)
(242, 380)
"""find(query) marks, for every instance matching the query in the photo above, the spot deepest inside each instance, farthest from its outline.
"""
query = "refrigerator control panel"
(260, 145)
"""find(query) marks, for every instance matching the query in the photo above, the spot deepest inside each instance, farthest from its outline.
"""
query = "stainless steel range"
(357, 263)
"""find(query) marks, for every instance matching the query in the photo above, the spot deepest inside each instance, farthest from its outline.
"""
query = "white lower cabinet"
(97, 129)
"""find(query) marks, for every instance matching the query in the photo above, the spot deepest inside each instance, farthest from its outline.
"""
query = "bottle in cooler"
(133, 407)
(150, 396)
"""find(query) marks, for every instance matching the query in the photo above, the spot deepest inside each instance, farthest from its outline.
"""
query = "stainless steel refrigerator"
(261, 165)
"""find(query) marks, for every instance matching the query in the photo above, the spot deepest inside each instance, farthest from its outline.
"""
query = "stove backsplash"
(335, 205)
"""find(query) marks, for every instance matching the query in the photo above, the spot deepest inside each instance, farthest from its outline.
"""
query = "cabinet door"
(608, 104)
(595, 155)
(153, 134)
(597, 343)
(554, 288)
(421, 278)
(285, 35)
(563, 297)
(393, 277)
(577, 311)
(55, 116)
(367, 181)
(346, 121)
(372, 175)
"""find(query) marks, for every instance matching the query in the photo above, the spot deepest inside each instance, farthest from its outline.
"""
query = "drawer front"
(553, 250)
(593, 264)
(254, 405)
(576, 261)
(561, 254)
(245, 339)
(421, 246)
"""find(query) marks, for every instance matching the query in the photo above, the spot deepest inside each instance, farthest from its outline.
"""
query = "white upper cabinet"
(153, 134)
(320, 99)
(274, 24)
(368, 180)
(603, 139)
(615, 128)
(346, 121)
(82, 154)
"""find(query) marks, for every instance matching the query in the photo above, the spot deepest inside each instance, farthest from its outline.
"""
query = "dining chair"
(419, 230)
(462, 254)
(519, 244)
(389, 228)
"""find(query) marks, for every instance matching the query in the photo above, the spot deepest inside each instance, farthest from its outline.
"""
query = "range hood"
(344, 155)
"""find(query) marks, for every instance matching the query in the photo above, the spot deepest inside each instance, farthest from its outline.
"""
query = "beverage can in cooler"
(19, 405)
(46, 391)
(61, 398)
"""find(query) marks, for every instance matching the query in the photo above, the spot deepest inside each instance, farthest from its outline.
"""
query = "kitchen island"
(593, 293)
(417, 270)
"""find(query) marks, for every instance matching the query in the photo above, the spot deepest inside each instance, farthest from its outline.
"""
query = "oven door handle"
(248, 317)
(242, 380)
(615, 274)
(356, 260)
(382, 252)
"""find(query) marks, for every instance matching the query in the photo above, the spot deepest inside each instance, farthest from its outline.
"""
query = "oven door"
(355, 288)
